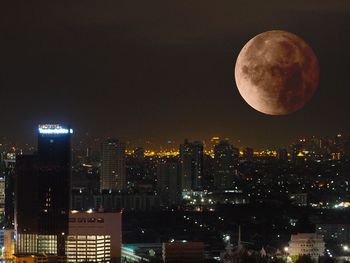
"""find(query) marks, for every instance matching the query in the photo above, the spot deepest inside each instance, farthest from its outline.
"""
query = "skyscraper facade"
(224, 165)
(113, 168)
(191, 165)
(168, 181)
(43, 193)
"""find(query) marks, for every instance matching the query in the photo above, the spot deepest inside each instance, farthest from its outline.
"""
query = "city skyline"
(117, 71)
(175, 131)
(167, 144)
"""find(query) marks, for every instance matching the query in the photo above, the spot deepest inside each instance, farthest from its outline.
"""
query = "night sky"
(160, 70)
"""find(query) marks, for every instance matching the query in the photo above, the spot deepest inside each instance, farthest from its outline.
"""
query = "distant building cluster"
(64, 202)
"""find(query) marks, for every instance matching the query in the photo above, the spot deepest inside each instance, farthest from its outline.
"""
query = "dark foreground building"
(43, 193)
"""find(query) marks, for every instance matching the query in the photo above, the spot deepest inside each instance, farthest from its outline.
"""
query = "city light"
(54, 129)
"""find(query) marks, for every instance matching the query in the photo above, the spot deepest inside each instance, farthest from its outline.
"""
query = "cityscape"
(175, 131)
(212, 201)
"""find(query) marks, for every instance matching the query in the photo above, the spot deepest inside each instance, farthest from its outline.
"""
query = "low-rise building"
(183, 252)
(311, 244)
(94, 236)
(149, 252)
(38, 258)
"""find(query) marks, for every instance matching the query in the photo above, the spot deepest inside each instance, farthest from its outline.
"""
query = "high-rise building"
(9, 173)
(27, 212)
(2, 193)
(191, 162)
(113, 168)
(208, 172)
(225, 156)
(168, 181)
(43, 193)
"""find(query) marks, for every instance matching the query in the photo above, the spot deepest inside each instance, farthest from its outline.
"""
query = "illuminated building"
(2, 193)
(149, 252)
(38, 258)
(207, 200)
(43, 193)
(178, 251)
(311, 244)
(191, 165)
(94, 237)
(225, 156)
(9, 244)
(113, 169)
(213, 141)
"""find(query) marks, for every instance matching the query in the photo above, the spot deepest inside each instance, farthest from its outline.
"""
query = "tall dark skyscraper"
(168, 181)
(43, 193)
(113, 168)
(9, 173)
(191, 158)
(224, 158)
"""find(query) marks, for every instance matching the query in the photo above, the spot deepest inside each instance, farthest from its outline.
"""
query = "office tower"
(94, 237)
(168, 181)
(43, 193)
(113, 169)
(54, 157)
(225, 156)
(191, 165)
(26, 203)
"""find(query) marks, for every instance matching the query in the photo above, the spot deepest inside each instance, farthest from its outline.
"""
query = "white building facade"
(94, 236)
(311, 244)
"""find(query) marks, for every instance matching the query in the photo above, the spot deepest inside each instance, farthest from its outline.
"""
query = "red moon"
(276, 72)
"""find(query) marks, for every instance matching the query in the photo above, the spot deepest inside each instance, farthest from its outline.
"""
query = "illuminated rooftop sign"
(53, 129)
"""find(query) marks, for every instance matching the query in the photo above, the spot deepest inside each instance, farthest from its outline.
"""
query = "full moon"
(276, 72)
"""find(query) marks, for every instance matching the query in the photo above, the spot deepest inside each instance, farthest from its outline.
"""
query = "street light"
(227, 238)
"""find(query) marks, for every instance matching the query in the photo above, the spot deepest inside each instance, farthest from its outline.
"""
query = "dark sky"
(162, 69)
